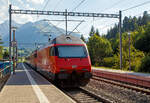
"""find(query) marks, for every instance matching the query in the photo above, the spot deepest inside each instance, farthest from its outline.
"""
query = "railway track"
(120, 84)
(89, 95)
(81, 95)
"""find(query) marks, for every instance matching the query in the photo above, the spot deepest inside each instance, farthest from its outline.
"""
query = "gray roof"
(67, 39)
(63, 39)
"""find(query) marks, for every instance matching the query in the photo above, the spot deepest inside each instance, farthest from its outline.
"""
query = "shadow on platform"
(20, 78)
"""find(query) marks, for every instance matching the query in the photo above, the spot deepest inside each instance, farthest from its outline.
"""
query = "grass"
(109, 68)
(117, 69)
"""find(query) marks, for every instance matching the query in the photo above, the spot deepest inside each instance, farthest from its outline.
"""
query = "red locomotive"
(65, 60)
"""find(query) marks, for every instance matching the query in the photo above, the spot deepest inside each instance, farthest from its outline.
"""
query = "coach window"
(52, 51)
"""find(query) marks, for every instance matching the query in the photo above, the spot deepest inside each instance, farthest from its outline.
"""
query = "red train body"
(64, 60)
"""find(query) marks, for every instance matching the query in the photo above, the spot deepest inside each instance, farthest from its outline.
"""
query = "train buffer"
(27, 86)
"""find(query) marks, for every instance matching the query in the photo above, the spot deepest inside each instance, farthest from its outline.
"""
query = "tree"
(97, 32)
(6, 55)
(82, 37)
(139, 21)
(92, 31)
(125, 23)
(1, 48)
(145, 67)
(114, 43)
(1, 40)
(145, 18)
(135, 54)
(143, 40)
(135, 23)
(129, 24)
(112, 32)
(99, 48)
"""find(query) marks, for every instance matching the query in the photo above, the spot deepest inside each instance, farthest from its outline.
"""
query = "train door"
(52, 59)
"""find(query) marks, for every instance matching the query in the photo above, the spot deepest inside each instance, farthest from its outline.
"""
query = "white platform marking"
(42, 98)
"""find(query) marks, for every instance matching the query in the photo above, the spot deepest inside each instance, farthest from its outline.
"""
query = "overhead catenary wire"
(55, 9)
(55, 27)
(57, 4)
(139, 14)
(110, 7)
(130, 7)
(114, 4)
(147, 2)
(44, 7)
(78, 5)
(46, 4)
(76, 27)
(72, 10)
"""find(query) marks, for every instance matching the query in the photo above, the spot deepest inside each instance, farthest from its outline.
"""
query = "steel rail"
(86, 96)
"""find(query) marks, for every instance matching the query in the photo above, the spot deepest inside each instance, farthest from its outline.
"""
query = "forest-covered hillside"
(104, 50)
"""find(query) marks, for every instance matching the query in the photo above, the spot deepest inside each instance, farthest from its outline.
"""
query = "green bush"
(145, 67)
(1, 53)
(99, 48)
(108, 61)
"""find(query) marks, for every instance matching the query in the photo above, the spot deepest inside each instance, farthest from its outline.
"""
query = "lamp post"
(129, 52)
(14, 44)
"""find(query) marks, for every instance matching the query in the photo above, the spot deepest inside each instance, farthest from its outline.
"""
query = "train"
(65, 60)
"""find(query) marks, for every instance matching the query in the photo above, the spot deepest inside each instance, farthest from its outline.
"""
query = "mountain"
(35, 32)
(4, 27)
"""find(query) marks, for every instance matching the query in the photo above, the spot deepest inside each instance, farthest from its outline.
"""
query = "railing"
(4, 69)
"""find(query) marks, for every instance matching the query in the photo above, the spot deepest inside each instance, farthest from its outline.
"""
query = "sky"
(92, 6)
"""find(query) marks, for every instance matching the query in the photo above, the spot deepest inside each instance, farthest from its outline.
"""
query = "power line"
(116, 3)
(55, 9)
(74, 8)
(78, 5)
(139, 14)
(57, 4)
(110, 7)
(137, 6)
(43, 8)
(46, 4)
(76, 27)
(55, 27)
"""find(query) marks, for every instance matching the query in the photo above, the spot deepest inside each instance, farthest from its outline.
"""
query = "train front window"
(72, 52)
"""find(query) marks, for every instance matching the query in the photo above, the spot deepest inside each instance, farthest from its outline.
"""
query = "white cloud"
(21, 2)
(4, 9)
(35, 1)
(15, 7)
(27, 6)
(21, 18)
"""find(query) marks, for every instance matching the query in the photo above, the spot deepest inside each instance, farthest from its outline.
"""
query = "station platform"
(147, 75)
(27, 86)
(138, 79)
